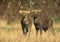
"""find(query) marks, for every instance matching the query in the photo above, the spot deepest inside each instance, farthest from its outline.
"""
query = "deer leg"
(52, 29)
(29, 30)
(36, 34)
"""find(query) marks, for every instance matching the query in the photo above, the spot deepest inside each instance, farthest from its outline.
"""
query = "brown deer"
(26, 22)
(43, 22)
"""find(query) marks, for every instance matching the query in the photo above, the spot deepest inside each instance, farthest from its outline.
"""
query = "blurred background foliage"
(48, 7)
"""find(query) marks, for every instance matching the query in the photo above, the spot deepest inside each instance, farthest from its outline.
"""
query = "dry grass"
(13, 33)
(56, 24)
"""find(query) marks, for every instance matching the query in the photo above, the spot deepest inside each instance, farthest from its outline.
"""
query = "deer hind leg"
(52, 29)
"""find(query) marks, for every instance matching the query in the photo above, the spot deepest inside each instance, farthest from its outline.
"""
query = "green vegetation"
(56, 19)
(25, 1)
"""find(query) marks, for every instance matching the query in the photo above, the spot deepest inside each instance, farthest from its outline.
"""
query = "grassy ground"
(13, 33)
